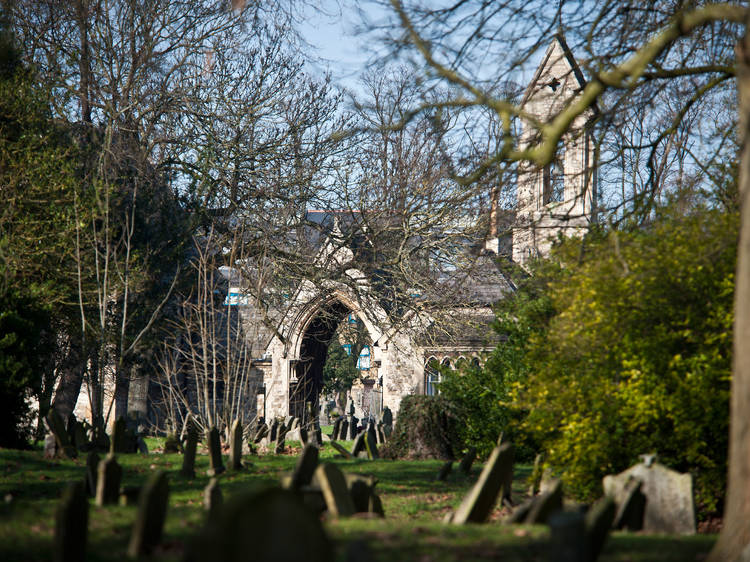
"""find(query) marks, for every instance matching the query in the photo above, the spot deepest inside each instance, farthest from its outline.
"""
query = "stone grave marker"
(256, 525)
(360, 489)
(171, 444)
(336, 428)
(670, 506)
(129, 495)
(478, 503)
(79, 437)
(543, 506)
(371, 443)
(71, 524)
(189, 450)
(305, 468)
(359, 444)
(387, 419)
(381, 434)
(567, 537)
(261, 433)
(536, 475)
(280, 440)
(273, 430)
(344, 430)
(598, 523)
(352, 429)
(152, 512)
(346, 454)
(335, 492)
(117, 440)
(445, 470)
(50, 446)
(235, 446)
(629, 514)
(213, 499)
(109, 475)
(215, 459)
(57, 428)
(92, 473)
(467, 460)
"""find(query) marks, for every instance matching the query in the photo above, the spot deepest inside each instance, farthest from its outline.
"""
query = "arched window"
(554, 179)
(431, 377)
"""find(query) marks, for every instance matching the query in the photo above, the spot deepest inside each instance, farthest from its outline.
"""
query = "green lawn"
(413, 501)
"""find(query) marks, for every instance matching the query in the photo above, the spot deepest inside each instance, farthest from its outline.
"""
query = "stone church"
(556, 200)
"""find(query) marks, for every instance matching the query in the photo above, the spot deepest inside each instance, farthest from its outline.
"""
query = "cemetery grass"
(415, 504)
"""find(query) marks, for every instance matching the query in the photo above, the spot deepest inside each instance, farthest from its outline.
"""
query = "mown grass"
(414, 502)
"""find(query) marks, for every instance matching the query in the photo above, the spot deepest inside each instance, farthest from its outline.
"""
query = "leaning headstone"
(598, 523)
(361, 489)
(273, 430)
(71, 524)
(478, 503)
(630, 510)
(346, 454)
(670, 506)
(352, 430)
(212, 498)
(545, 505)
(57, 427)
(261, 433)
(359, 444)
(189, 450)
(305, 468)
(467, 460)
(235, 446)
(333, 485)
(258, 525)
(109, 476)
(445, 470)
(336, 428)
(371, 443)
(216, 462)
(567, 537)
(536, 475)
(280, 445)
(344, 430)
(152, 512)
(117, 440)
(92, 472)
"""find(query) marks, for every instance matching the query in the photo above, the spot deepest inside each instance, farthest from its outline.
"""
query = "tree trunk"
(71, 379)
(734, 541)
(122, 390)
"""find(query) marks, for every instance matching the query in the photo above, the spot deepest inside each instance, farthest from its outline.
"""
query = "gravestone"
(445, 470)
(109, 475)
(71, 524)
(261, 433)
(352, 430)
(381, 434)
(630, 510)
(336, 428)
(212, 498)
(346, 454)
(567, 537)
(273, 430)
(235, 446)
(536, 475)
(92, 473)
(280, 444)
(216, 462)
(344, 430)
(670, 506)
(598, 523)
(57, 428)
(152, 512)
(189, 450)
(305, 468)
(171, 444)
(79, 437)
(371, 442)
(117, 440)
(540, 508)
(467, 460)
(129, 495)
(50, 446)
(387, 419)
(335, 492)
(359, 444)
(361, 489)
(256, 525)
(478, 503)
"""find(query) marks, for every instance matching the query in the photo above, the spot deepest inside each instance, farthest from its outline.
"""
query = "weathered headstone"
(629, 514)
(371, 442)
(335, 492)
(50, 446)
(381, 434)
(216, 462)
(670, 506)
(129, 495)
(536, 475)
(189, 450)
(544, 505)
(336, 428)
(467, 460)
(257, 525)
(71, 524)
(280, 445)
(305, 468)
(478, 503)
(108, 480)
(235, 446)
(598, 523)
(361, 488)
(79, 437)
(212, 498)
(387, 419)
(352, 430)
(344, 430)
(117, 440)
(567, 534)
(57, 428)
(171, 444)
(92, 473)
(273, 430)
(359, 444)
(261, 433)
(445, 470)
(346, 454)
(152, 512)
